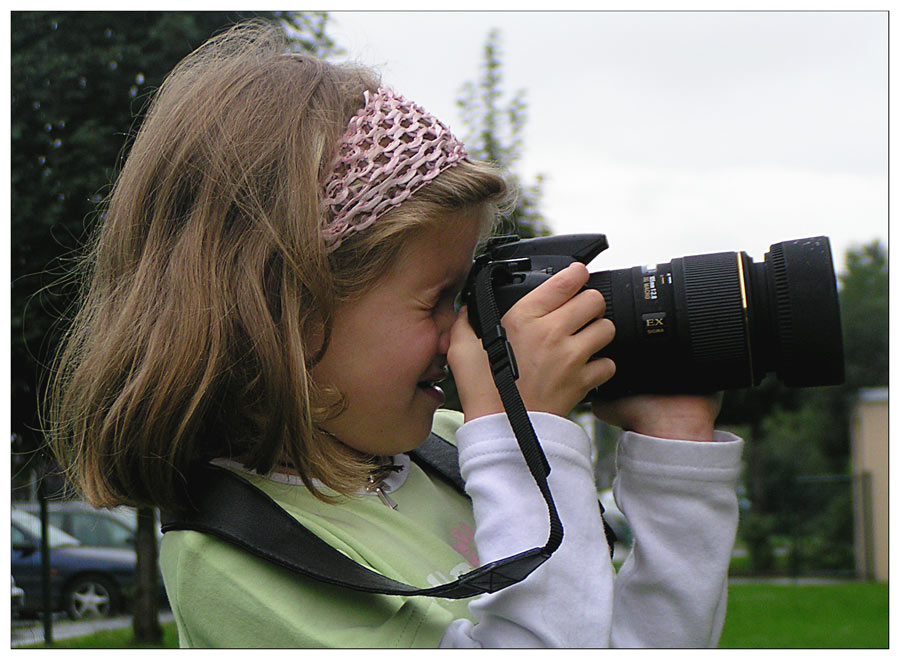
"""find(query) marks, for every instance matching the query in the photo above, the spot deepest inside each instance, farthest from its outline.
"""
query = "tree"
(494, 133)
(864, 315)
(80, 81)
(146, 602)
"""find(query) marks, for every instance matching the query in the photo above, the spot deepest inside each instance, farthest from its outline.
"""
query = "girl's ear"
(317, 337)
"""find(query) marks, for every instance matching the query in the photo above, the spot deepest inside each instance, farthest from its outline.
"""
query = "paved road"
(32, 632)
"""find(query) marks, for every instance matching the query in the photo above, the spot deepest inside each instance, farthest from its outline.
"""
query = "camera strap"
(251, 520)
(505, 372)
(228, 507)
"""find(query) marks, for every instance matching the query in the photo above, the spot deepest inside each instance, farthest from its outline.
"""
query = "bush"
(756, 532)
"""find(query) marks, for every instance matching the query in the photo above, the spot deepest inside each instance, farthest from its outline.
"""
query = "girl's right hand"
(554, 331)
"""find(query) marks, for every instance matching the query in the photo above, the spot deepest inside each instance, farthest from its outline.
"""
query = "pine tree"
(494, 129)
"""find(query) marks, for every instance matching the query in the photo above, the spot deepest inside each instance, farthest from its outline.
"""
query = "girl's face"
(389, 348)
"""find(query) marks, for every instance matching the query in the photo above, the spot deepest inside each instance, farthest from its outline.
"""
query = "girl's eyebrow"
(450, 280)
(457, 280)
(442, 290)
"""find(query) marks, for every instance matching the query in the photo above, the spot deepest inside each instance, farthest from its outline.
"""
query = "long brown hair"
(209, 293)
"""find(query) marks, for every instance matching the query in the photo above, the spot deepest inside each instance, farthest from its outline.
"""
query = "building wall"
(869, 437)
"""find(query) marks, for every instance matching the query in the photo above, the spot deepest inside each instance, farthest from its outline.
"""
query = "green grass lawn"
(848, 615)
(760, 615)
(112, 639)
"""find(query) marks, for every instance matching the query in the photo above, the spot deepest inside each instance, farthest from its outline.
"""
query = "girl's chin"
(405, 436)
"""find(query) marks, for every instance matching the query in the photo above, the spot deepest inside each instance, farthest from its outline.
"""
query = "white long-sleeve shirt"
(679, 498)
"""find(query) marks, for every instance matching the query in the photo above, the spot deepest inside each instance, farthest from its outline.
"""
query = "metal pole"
(45, 563)
(868, 534)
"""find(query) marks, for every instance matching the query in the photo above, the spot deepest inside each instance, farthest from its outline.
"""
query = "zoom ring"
(604, 286)
(718, 335)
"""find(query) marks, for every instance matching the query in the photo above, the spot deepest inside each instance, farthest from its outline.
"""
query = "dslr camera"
(696, 324)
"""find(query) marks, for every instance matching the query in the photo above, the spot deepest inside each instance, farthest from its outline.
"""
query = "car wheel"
(91, 596)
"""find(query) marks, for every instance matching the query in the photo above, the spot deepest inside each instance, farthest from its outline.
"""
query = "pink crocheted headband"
(391, 148)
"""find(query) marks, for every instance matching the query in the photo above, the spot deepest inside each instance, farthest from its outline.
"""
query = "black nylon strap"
(505, 373)
(442, 458)
(283, 541)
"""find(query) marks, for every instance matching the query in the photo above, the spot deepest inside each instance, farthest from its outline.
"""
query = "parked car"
(85, 581)
(107, 528)
(18, 598)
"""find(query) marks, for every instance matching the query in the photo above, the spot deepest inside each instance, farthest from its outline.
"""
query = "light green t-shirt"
(223, 597)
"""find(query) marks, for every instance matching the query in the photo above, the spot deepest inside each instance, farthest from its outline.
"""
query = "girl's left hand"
(677, 417)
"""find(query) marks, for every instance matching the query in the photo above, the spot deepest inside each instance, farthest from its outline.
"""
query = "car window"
(98, 530)
(57, 519)
(32, 525)
(125, 516)
(16, 537)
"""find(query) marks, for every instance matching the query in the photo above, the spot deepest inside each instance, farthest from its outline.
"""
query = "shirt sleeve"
(567, 601)
(680, 499)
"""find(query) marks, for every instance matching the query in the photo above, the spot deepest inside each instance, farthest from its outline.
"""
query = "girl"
(272, 289)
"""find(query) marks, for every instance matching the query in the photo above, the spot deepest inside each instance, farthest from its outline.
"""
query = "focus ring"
(783, 314)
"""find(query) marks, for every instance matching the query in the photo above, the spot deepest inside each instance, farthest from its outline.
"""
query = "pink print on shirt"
(465, 543)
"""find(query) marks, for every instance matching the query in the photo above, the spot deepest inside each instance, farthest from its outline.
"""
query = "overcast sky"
(673, 133)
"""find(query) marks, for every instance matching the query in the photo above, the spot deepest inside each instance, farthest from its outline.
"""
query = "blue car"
(85, 581)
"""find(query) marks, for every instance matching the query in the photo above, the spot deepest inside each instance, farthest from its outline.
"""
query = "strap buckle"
(500, 351)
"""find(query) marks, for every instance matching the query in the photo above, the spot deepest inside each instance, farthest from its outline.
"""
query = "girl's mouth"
(433, 391)
(430, 385)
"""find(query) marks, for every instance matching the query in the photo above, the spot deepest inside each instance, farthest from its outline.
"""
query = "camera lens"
(720, 321)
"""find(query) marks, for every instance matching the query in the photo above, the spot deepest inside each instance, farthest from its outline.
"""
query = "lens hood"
(807, 313)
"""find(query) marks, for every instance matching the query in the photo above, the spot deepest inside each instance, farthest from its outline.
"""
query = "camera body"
(696, 324)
